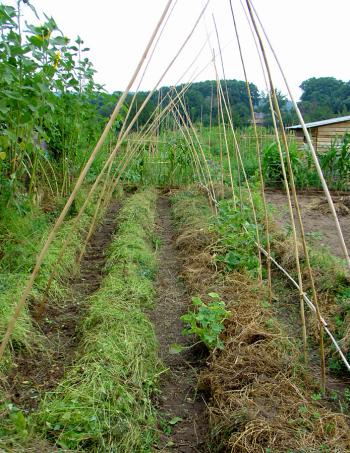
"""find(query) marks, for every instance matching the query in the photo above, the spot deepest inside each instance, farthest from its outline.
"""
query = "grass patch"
(104, 401)
(22, 235)
(21, 241)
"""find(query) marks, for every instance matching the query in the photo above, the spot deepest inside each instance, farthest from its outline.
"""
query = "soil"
(41, 371)
(320, 228)
(317, 219)
(183, 421)
(286, 309)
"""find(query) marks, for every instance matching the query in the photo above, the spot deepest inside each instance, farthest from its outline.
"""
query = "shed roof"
(321, 123)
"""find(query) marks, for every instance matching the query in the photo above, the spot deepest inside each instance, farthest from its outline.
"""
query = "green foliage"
(334, 162)
(287, 112)
(271, 164)
(341, 329)
(201, 100)
(171, 164)
(324, 97)
(14, 427)
(48, 119)
(207, 321)
(302, 166)
(237, 233)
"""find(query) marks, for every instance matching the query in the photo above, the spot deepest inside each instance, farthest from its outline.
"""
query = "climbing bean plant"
(49, 106)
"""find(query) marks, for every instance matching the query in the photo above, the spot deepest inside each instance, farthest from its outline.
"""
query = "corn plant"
(336, 162)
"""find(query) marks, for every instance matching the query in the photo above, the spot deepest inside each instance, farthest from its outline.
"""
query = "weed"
(237, 238)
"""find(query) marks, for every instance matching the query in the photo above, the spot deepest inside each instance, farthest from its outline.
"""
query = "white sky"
(310, 36)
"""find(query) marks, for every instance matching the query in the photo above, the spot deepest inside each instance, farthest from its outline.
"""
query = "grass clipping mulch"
(261, 399)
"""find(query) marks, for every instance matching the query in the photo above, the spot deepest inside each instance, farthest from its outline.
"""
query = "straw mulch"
(260, 397)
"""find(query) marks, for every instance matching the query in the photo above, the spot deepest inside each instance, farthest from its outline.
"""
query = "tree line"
(322, 98)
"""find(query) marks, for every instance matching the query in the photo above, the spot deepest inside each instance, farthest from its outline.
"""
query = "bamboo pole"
(258, 153)
(312, 307)
(221, 153)
(78, 184)
(190, 144)
(290, 209)
(229, 113)
(95, 216)
(200, 147)
(238, 155)
(310, 144)
(275, 111)
(241, 164)
(211, 114)
(303, 236)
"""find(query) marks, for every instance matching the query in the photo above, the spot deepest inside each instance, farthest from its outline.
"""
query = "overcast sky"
(311, 37)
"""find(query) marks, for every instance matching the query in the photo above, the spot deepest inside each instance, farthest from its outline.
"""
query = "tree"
(324, 97)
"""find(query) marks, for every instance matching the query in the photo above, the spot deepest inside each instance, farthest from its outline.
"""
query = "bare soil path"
(183, 420)
(320, 228)
(317, 219)
(41, 371)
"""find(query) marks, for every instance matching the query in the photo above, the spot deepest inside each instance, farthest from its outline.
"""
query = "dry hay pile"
(260, 397)
(258, 400)
(329, 276)
(341, 204)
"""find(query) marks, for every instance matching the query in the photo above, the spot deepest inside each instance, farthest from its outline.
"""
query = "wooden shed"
(323, 133)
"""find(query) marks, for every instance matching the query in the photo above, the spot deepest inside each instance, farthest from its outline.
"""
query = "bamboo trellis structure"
(173, 106)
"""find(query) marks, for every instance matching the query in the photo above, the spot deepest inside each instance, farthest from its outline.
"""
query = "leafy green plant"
(14, 424)
(50, 105)
(301, 162)
(237, 237)
(207, 321)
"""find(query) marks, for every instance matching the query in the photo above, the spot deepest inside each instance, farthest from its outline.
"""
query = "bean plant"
(49, 106)
(207, 322)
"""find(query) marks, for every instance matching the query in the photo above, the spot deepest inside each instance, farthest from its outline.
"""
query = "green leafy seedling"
(175, 420)
(207, 321)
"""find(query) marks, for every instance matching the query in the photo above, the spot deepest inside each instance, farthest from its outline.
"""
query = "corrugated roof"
(321, 123)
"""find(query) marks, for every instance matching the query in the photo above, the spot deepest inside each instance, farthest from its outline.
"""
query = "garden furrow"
(33, 375)
(261, 398)
(182, 417)
(103, 403)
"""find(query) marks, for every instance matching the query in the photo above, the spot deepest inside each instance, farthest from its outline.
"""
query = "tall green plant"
(336, 162)
(49, 115)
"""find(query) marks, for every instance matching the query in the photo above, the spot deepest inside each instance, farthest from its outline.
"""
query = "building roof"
(321, 123)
